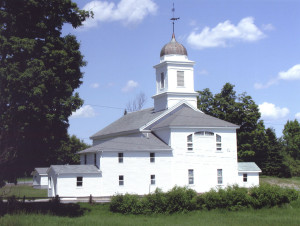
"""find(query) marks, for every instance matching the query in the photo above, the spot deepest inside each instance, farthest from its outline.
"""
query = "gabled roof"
(248, 167)
(74, 169)
(130, 122)
(188, 117)
(137, 142)
(41, 170)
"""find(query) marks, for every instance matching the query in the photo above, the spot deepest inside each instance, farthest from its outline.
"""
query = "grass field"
(100, 215)
(287, 182)
(21, 190)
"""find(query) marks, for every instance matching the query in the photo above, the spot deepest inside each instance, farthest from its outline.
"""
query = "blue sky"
(253, 44)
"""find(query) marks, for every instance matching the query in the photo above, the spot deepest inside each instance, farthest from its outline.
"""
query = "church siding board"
(136, 169)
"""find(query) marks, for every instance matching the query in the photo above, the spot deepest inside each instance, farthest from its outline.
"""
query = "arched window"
(218, 142)
(190, 142)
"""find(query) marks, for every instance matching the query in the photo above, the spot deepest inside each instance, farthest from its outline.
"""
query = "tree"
(240, 110)
(66, 153)
(136, 104)
(291, 138)
(274, 163)
(39, 71)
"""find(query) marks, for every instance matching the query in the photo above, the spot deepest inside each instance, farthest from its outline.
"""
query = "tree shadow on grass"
(53, 207)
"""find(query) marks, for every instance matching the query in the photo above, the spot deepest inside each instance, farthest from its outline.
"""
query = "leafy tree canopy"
(238, 109)
(66, 153)
(39, 71)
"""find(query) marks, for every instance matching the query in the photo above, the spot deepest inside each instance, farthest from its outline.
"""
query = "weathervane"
(174, 18)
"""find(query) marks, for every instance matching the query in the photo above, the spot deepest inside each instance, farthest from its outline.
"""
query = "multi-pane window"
(190, 142)
(121, 180)
(162, 80)
(245, 177)
(204, 133)
(85, 159)
(95, 159)
(152, 157)
(152, 178)
(180, 78)
(218, 142)
(120, 157)
(79, 181)
(220, 176)
(191, 176)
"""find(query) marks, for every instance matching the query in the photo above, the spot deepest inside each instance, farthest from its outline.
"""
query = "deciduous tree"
(39, 71)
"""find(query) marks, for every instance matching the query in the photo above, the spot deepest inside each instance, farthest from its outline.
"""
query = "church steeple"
(174, 76)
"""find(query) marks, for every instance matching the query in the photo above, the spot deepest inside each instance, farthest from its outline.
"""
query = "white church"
(171, 144)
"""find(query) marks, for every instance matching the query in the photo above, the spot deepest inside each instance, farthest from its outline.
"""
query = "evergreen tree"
(39, 71)
(240, 110)
(274, 165)
(291, 138)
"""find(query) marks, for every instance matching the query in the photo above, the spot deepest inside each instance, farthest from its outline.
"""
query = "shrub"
(271, 195)
(126, 204)
(155, 202)
(180, 199)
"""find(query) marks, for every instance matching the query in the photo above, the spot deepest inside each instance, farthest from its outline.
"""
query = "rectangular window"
(152, 157)
(218, 142)
(95, 159)
(121, 180)
(120, 157)
(79, 181)
(191, 176)
(180, 78)
(85, 159)
(152, 178)
(220, 176)
(162, 80)
(190, 142)
(245, 177)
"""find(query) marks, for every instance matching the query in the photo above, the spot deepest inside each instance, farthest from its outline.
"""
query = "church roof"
(74, 169)
(188, 117)
(248, 167)
(173, 47)
(138, 142)
(130, 122)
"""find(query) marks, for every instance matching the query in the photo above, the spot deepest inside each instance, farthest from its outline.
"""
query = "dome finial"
(173, 19)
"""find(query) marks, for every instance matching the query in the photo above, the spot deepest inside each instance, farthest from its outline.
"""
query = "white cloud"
(291, 74)
(224, 32)
(268, 84)
(297, 115)
(86, 111)
(95, 85)
(126, 11)
(268, 27)
(203, 72)
(270, 111)
(129, 86)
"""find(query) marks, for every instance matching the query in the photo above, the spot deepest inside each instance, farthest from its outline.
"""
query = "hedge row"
(182, 199)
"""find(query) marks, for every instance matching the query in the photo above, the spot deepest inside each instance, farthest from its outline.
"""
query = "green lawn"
(100, 215)
(21, 190)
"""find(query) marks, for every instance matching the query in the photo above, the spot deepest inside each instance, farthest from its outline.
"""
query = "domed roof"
(173, 47)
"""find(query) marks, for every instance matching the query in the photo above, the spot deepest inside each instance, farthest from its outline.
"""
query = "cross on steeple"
(174, 18)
